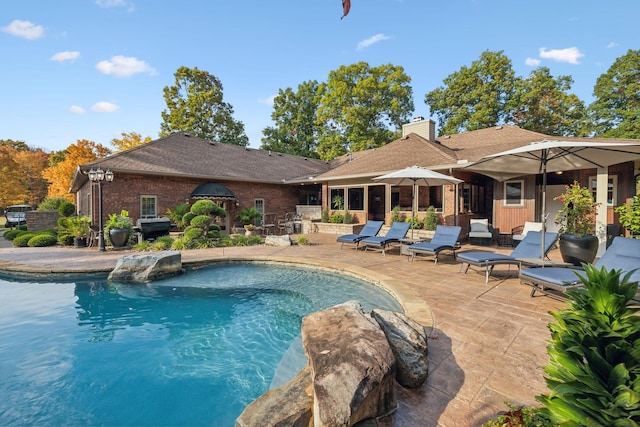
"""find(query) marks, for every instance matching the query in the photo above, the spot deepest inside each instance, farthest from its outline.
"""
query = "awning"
(212, 190)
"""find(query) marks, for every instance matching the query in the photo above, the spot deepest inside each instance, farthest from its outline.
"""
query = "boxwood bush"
(12, 234)
(21, 240)
(42, 239)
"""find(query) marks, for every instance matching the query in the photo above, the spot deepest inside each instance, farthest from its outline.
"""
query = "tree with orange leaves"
(63, 166)
(21, 170)
(129, 140)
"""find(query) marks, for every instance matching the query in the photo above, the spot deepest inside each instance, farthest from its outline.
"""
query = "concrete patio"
(488, 341)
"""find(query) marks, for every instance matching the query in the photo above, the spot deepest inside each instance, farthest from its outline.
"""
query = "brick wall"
(42, 220)
(126, 189)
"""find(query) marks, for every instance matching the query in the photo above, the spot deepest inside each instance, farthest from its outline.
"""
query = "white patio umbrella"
(552, 156)
(415, 176)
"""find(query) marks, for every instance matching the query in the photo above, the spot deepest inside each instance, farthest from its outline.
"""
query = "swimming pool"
(192, 350)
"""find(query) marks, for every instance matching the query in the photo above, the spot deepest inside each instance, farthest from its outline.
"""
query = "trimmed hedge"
(41, 240)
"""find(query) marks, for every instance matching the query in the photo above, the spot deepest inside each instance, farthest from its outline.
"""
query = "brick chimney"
(422, 127)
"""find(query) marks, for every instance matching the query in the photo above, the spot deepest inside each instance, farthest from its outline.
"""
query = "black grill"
(152, 228)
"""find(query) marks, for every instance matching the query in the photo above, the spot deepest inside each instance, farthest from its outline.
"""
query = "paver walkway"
(488, 341)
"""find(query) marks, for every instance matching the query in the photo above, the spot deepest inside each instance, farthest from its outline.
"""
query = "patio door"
(553, 206)
(259, 205)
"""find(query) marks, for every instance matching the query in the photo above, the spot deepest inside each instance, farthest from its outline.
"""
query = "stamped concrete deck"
(487, 343)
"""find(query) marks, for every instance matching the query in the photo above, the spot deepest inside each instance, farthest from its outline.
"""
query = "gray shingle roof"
(181, 154)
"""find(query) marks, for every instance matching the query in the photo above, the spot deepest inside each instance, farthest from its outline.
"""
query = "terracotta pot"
(578, 249)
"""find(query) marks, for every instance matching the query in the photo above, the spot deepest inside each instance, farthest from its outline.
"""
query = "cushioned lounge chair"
(480, 232)
(445, 238)
(371, 228)
(530, 247)
(623, 254)
(397, 231)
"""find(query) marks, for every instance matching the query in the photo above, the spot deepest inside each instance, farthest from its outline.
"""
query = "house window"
(471, 198)
(148, 206)
(514, 193)
(612, 188)
(435, 197)
(337, 199)
(259, 205)
(356, 199)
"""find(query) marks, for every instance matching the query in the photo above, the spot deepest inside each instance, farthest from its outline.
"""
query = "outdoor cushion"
(397, 231)
(371, 228)
(445, 238)
(623, 254)
(528, 226)
(530, 247)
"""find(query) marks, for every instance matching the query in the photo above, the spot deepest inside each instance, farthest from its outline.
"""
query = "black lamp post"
(97, 176)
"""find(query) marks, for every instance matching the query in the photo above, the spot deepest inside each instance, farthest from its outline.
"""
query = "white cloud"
(532, 62)
(122, 66)
(116, 3)
(372, 40)
(612, 44)
(104, 107)
(76, 109)
(571, 55)
(267, 101)
(24, 29)
(65, 56)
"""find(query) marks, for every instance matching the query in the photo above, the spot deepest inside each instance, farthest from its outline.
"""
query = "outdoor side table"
(504, 239)
(404, 245)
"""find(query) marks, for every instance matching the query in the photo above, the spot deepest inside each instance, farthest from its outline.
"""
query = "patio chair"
(397, 231)
(445, 238)
(518, 233)
(371, 228)
(480, 232)
(528, 248)
(623, 254)
(269, 223)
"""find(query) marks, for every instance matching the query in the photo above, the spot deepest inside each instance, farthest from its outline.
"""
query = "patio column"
(602, 184)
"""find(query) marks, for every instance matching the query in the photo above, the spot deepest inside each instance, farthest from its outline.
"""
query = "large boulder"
(408, 341)
(353, 367)
(273, 240)
(146, 267)
(289, 405)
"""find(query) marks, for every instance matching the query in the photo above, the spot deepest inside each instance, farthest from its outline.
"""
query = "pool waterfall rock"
(147, 267)
(351, 370)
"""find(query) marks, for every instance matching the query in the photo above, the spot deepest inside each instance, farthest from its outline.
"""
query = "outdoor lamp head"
(100, 174)
(108, 175)
(92, 175)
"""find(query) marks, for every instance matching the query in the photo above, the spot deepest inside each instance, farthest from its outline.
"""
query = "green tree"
(129, 140)
(615, 113)
(294, 115)
(195, 105)
(474, 97)
(362, 107)
(541, 103)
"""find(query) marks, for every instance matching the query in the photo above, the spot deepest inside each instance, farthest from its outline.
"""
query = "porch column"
(602, 186)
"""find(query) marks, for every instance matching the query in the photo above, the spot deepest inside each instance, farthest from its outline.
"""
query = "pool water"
(193, 350)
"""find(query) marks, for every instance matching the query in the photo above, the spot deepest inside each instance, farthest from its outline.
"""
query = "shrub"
(240, 240)
(302, 240)
(225, 241)
(201, 221)
(22, 240)
(176, 215)
(416, 223)
(145, 245)
(396, 215)
(325, 215)
(521, 417)
(192, 233)
(630, 215)
(347, 218)
(65, 239)
(51, 203)
(162, 243)
(186, 218)
(255, 240)
(207, 207)
(336, 218)
(431, 219)
(66, 208)
(42, 239)
(11, 234)
(594, 367)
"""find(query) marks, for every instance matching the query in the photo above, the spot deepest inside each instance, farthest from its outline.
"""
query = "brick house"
(157, 176)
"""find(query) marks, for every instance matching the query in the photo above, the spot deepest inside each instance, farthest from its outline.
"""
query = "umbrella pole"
(413, 205)
(544, 200)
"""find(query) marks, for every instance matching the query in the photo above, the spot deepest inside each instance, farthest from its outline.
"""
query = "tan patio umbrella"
(415, 176)
(552, 156)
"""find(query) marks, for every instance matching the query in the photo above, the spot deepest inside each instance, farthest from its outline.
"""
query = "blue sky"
(91, 69)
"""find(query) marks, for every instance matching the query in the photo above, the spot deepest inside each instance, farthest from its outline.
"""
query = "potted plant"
(630, 216)
(118, 229)
(576, 224)
(78, 227)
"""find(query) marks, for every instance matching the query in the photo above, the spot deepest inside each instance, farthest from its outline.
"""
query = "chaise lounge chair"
(623, 254)
(445, 238)
(371, 228)
(528, 248)
(397, 231)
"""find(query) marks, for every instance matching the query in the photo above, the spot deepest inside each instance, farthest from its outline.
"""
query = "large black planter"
(578, 249)
(79, 242)
(119, 237)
